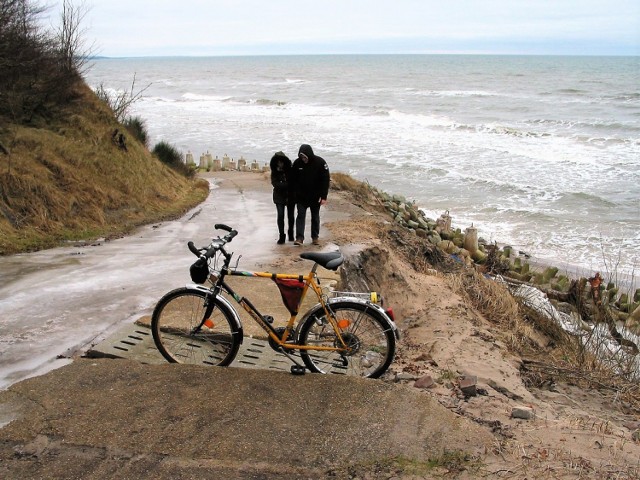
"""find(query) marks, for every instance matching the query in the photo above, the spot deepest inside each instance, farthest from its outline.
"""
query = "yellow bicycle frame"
(309, 282)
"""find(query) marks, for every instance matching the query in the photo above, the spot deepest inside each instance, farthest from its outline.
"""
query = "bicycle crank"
(280, 332)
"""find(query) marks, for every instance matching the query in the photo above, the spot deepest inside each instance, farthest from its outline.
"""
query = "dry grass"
(496, 304)
(362, 193)
(343, 182)
(550, 354)
(70, 181)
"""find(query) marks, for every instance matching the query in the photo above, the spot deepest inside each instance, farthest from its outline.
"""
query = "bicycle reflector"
(208, 323)
(389, 312)
(343, 323)
(199, 272)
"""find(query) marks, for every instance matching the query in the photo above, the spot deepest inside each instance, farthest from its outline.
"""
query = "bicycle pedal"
(297, 370)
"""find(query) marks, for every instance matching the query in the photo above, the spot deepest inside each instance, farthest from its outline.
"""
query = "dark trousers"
(290, 208)
(301, 220)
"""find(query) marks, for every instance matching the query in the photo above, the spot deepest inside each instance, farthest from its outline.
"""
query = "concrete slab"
(135, 342)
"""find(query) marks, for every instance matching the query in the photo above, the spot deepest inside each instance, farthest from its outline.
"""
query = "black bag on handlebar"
(199, 272)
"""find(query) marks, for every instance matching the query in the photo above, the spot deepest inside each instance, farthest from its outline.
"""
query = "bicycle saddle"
(329, 260)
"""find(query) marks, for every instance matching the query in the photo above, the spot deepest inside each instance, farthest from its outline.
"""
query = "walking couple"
(301, 185)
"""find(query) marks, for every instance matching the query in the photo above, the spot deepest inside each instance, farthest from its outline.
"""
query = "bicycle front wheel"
(368, 336)
(181, 336)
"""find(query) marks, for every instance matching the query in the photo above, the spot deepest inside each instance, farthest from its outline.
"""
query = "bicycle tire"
(370, 337)
(177, 314)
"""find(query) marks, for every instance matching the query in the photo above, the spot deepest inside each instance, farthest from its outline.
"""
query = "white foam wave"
(198, 97)
(405, 119)
(455, 93)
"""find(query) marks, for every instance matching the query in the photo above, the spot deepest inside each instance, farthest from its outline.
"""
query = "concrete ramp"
(108, 419)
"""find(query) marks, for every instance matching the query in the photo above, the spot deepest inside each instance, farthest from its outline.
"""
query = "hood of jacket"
(307, 150)
(279, 156)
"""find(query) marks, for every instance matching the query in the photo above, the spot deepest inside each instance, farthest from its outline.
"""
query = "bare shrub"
(38, 69)
(121, 102)
(70, 39)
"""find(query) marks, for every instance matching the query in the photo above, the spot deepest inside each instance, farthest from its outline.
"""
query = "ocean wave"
(584, 197)
(378, 112)
(421, 119)
(571, 91)
(604, 142)
(615, 126)
(268, 102)
(623, 97)
(504, 130)
(198, 97)
(454, 93)
(512, 190)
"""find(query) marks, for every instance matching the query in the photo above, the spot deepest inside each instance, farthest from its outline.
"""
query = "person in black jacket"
(311, 179)
(283, 195)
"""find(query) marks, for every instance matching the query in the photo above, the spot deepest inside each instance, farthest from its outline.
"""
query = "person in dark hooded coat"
(311, 179)
(283, 195)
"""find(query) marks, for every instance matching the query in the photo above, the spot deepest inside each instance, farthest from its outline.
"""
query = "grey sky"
(122, 28)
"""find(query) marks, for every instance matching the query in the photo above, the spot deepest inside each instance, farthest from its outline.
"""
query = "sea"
(538, 152)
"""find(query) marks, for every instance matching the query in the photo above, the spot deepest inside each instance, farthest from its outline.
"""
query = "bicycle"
(198, 324)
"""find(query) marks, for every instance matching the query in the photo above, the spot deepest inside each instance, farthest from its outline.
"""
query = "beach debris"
(426, 381)
(468, 385)
(524, 413)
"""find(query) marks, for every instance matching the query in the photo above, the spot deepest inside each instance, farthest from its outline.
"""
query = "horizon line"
(98, 57)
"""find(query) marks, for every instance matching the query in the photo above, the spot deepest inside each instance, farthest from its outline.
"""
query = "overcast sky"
(124, 28)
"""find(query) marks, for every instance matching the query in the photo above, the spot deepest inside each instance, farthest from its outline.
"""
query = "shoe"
(291, 236)
(315, 241)
(298, 241)
(281, 239)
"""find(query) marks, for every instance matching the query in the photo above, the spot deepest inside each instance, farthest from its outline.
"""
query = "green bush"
(169, 155)
(138, 129)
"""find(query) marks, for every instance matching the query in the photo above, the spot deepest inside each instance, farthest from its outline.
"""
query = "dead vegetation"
(549, 353)
(68, 181)
(457, 318)
(61, 175)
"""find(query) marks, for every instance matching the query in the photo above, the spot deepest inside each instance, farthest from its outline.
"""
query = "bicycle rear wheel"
(175, 320)
(368, 335)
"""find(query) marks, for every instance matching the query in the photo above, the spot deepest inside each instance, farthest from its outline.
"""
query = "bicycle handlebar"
(214, 246)
(222, 226)
(193, 249)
